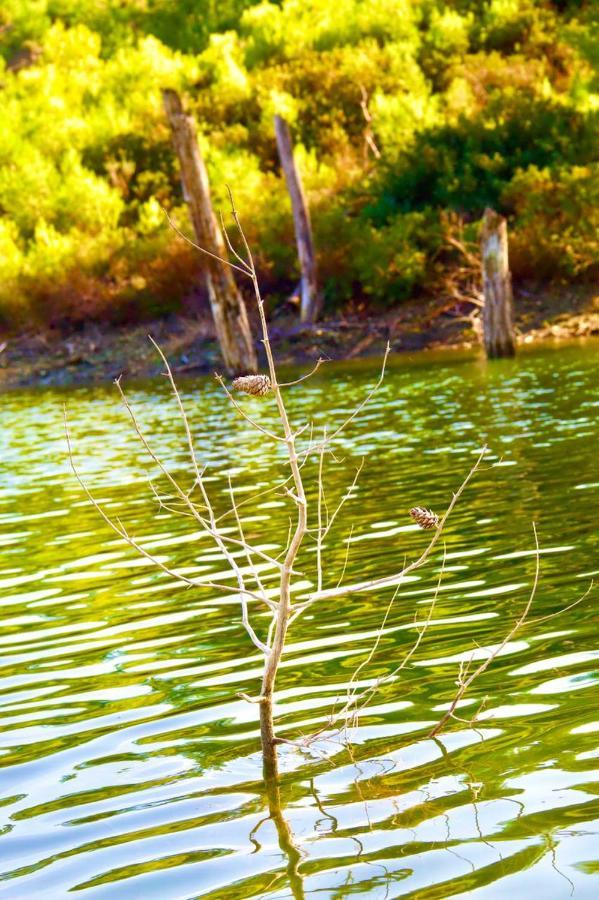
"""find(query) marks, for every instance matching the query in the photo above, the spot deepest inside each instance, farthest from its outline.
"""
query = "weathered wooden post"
(310, 297)
(228, 307)
(498, 314)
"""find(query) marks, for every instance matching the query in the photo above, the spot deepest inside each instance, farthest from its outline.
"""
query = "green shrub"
(556, 222)
(402, 111)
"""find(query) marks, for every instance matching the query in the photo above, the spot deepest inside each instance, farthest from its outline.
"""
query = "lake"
(129, 765)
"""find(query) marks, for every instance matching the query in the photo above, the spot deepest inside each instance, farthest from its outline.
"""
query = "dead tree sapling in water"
(264, 581)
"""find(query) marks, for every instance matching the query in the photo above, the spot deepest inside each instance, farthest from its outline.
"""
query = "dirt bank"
(95, 354)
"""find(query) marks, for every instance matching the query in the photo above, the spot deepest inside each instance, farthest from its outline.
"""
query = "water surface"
(129, 765)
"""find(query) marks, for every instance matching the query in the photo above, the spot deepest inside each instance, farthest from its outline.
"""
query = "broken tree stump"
(498, 314)
(310, 297)
(227, 304)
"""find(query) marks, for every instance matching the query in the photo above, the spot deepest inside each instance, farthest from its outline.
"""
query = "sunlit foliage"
(403, 110)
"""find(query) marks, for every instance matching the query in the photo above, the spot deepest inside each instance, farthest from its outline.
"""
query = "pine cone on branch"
(256, 385)
(426, 518)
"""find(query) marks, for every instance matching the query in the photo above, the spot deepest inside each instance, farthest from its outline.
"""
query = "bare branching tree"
(264, 583)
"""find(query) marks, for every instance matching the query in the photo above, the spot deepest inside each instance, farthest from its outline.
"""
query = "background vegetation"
(470, 103)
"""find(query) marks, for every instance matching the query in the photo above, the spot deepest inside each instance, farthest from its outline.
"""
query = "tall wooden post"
(228, 308)
(498, 314)
(310, 297)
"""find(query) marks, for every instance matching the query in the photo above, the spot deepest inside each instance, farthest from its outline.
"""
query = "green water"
(128, 765)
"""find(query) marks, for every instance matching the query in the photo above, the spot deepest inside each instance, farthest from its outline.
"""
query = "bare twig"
(210, 527)
(464, 679)
(184, 237)
(244, 415)
(232, 249)
(316, 447)
(392, 579)
(117, 526)
(355, 703)
(312, 372)
(248, 553)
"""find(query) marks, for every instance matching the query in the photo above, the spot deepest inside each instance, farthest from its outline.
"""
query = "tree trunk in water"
(228, 308)
(270, 760)
(498, 315)
(267, 731)
(310, 297)
(270, 772)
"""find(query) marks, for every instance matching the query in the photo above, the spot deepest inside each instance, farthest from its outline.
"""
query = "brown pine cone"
(256, 385)
(426, 518)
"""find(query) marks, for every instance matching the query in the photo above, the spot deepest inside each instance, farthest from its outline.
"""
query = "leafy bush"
(401, 111)
(556, 217)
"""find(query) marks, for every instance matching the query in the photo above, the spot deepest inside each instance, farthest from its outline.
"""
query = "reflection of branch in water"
(318, 801)
(552, 845)
(284, 833)
(352, 837)
(475, 789)
(450, 849)
(519, 804)
(252, 835)
(357, 785)
(367, 862)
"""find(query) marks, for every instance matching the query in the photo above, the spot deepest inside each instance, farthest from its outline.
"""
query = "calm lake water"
(129, 767)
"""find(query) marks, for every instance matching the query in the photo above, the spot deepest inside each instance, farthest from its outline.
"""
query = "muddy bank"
(96, 354)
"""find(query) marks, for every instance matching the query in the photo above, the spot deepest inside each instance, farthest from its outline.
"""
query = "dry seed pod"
(256, 385)
(426, 518)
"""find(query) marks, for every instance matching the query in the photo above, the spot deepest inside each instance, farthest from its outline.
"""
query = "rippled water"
(129, 767)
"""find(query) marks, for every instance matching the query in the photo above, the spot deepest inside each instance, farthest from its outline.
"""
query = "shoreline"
(100, 353)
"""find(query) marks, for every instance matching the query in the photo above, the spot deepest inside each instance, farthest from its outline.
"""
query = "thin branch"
(218, 538)
(208, 527)
(243, 262)
(392, 579)
(346, 558)
(271, 628)
(465, 682)
(320, 502)
(560, 611)
(323, 530)
(118, 527)
(319, 363)
(289, 530)
(360, 701)
(248, 554)
(271, 490)
(358, 408)
(365, 662)
(175, 390)
(402, 665)
(345, 497)
(184, 237)
(244, 415)
(156, 459)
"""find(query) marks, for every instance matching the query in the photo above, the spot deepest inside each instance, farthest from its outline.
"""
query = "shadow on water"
(130, 767)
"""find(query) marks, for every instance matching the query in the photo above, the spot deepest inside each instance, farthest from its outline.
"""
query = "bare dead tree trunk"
(228, 308)
(498, 314)
(310, 297)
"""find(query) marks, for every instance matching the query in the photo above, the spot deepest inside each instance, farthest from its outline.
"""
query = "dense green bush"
(556, 213)
(472, 103)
